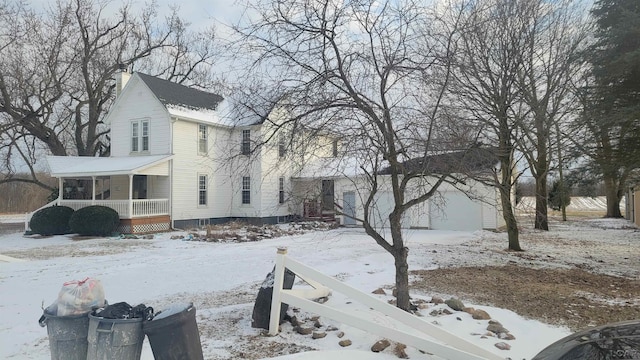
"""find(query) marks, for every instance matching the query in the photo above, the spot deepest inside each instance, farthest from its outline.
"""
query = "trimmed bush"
(94, 220)
(53, 220)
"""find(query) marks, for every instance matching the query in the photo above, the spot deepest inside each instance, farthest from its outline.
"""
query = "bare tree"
(550, 61)
(56, 79)
(373, 75)
(486, 86)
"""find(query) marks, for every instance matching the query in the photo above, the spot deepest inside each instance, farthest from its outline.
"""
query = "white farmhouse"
(179, 159)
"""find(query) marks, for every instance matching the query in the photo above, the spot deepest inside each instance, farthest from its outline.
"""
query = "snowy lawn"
(222, 280)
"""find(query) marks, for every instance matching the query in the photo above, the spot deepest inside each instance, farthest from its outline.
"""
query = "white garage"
(455, 211)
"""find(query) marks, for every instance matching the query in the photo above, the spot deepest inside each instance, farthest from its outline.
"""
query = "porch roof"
(81, 166)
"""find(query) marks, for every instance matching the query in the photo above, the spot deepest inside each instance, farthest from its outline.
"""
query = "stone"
(446, 311)
(315, 318)
(340, 334)
(380, 345)
(437, 300)
(304, 331)
(506, 336)
(455, 304)
(379, 291)
(294, 321)
(497, 328)
(400, 352)
(479, 314)
(318, 334)
(331, 328)
(317, 324)
(503, 346)
(345, 343)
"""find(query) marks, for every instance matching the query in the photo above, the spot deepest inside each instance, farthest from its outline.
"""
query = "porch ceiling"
(82, 166)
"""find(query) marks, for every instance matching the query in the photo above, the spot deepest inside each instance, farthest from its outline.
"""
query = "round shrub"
(94, 220)
(53, 220)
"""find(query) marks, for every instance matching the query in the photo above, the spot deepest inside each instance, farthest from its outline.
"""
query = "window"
(335, 148)
(202, 139)
(202, 189)
(281, 190)
(246, 190)
(140, 135)
(246, 142)
(135, 135)
(145, 135)
(282, 145)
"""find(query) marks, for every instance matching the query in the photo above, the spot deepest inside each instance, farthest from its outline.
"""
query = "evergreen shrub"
(94, 220)
(53, 220)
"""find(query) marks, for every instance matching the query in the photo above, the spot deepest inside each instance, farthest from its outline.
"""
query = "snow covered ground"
(222, 280)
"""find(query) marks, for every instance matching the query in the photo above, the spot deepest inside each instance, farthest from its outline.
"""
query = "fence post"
(278, 281)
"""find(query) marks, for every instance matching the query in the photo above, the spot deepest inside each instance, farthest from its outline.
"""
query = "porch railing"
(140, 207)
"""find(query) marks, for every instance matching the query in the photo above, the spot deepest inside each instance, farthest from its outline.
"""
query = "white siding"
(137, 102)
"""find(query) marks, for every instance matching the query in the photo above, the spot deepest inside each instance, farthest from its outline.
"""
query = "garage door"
(455, 211)
(382, 207)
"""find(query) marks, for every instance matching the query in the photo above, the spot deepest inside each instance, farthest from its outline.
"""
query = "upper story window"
(139, 135)
(246, 142)
(202, 139)
(282, 145)
(334, 148)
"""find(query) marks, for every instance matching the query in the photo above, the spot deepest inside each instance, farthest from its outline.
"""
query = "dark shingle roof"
(170, 93)
(465, 162)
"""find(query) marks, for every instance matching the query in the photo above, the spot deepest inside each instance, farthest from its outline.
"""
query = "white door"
(349, 207)
(455, 211)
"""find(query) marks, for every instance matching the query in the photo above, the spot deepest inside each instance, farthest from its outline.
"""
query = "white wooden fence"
(426, 336)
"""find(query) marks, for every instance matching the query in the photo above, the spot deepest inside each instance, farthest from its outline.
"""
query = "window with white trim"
(139, 135)
(246, 190)
(281, 190)
(202, 190)
(246, 142)
(282, 145)
(202, 139)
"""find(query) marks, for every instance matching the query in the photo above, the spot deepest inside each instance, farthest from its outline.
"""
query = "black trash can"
(173, 334)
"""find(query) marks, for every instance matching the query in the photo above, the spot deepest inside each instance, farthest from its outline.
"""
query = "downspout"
(172, 121)
(131, 196)
(60, 190)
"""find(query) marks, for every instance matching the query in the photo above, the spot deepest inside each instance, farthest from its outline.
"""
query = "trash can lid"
(172, 310)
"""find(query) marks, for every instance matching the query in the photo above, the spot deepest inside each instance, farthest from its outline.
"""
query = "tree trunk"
(613, 198)
(541, 221)
(508, 214)
(402, 278)
(400, 254)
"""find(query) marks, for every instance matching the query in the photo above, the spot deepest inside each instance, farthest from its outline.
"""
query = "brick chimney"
(122, 76)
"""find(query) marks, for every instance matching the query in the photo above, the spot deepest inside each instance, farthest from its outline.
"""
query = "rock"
(340, 334)
(331, 328)
(489, 334)
(318, 334)
(303, 331)
(497, 328)
(315, 318)
(503, 346)
(495, 322)
(458, 318)
(436, 300)
(479, 314)
(455, 304)
(446, 311)
(435, 312)
(317, 324)
(380, 345)
(379, 291)
(345, 343)
(294, 321)
(506, 336)
(400, 352)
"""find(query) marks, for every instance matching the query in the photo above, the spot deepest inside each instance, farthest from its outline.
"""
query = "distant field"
(579, 205)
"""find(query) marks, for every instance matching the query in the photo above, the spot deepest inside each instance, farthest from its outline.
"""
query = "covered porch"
(137, 188)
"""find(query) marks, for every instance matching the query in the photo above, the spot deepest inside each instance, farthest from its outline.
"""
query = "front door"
(349, 207)
(327, 195)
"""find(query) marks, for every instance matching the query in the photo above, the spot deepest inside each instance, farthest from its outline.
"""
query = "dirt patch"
(571, 297)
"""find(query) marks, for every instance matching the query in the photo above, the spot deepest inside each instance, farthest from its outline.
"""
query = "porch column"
(60, 189)
(131, 196)
(93, 190)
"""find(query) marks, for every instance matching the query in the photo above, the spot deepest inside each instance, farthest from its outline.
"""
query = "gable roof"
(170, 93)
(468, 161)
